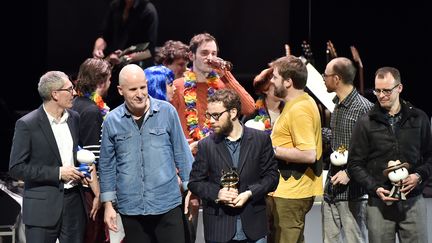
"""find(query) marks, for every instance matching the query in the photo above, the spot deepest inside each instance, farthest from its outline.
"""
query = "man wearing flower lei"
(267, 107)
(93, 82)
(190, 101)
(201, 81)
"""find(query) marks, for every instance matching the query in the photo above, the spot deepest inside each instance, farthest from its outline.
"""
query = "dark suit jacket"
(35, 158)
(258, 172)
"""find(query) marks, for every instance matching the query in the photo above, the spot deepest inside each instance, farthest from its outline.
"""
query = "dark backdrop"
(59, 34)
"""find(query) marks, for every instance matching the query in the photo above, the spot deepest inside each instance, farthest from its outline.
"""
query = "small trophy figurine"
(396, 172)
(86, 159)
(229, 179)
(340, 156)
(219, 63)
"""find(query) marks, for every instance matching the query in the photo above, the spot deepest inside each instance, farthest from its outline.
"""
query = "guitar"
(356, 58)
(307, 52)
(330, 51)
(124, 55)
(287, 50)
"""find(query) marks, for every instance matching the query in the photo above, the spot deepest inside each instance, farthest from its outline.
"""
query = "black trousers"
(163, 228)
(70, 227)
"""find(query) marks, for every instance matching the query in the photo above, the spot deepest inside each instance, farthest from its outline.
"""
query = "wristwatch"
(419, 178)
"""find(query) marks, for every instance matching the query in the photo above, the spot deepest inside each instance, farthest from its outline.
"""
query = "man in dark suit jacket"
(236, 212)
(43, 154)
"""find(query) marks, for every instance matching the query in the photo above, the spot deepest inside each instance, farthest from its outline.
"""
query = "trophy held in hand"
(229, 179)
(86, 159)
(340, 156)
(396, 172)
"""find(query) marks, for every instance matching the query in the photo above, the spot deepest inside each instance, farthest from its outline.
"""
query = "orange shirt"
(227, 81)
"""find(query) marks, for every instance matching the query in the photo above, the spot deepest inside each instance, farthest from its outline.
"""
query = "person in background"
(344, 205)
(160, 82)
(127, 23)
(267, 107)
(173, 55)
(196, 85)
(43, 155)
(93, 81)
(393, 130)
(236, 213)
(297, 142)
(142, 146)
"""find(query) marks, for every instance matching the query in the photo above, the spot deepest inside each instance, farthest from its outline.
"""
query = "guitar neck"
(361, 78)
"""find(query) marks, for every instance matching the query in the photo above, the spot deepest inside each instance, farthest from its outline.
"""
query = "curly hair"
(171, 51)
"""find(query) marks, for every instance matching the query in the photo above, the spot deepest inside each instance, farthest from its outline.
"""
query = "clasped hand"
(70, 173)
(408, 184)
(231, 197)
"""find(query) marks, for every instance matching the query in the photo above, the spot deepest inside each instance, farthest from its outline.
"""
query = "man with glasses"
(344, 204)
(235, 213)
(190, 100)
(43, 155)
(393, 130)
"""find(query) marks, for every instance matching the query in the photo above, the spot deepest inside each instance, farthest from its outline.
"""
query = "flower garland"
(190, 97)
(96, 98)
(262, 114)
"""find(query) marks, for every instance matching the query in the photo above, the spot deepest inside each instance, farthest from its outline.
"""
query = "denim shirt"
(137, 166)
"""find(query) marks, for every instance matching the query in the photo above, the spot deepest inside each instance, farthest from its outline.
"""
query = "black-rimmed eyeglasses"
(215, 115)
(386, 92)
(70, 89)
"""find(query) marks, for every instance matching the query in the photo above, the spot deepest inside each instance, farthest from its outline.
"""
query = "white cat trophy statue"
(340, 156)
(396, 172)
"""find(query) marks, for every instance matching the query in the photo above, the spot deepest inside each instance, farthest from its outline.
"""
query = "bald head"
(344, 68)
(130, 72)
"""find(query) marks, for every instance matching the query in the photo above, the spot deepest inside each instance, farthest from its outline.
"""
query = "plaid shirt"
(342, 122)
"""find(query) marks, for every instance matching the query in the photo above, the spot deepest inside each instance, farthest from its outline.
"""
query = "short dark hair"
(381, 72)
(198, 40)
(291, 67)
(229, 98)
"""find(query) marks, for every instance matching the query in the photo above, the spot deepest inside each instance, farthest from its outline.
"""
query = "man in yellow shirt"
(297, 142)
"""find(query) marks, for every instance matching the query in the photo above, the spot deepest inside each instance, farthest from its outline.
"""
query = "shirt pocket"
(123, 143)
(159, 137)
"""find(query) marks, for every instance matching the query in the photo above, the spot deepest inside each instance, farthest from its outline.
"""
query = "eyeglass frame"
(70, 89)
(386, 92)
(324, 75)
(215, 116)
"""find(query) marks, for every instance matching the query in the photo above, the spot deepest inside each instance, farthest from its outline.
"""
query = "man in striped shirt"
(93, 82)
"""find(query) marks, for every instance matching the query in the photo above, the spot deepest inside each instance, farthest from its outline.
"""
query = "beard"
(280, 92)
(226, 128)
